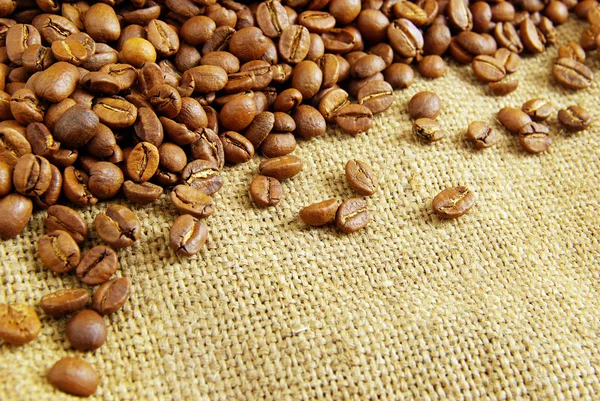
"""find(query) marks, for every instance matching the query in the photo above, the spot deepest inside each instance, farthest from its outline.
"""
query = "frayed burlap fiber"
(500, 304)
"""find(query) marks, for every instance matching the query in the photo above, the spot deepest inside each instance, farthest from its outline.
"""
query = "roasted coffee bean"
(66, 219)
(219, 40)
(100, 82)
(571, 74)
(307, 78)
(376, 95)
(6, 181)
(197, 30)
(124, 74)
(281, 167)
(482, 135)
(488, 68)
(70, 51)
(111, 296)
(437, 39)
(405, 38)
(115, 112)
(18, 38)
(141, 194)
(32, 175)
(534, 137)
(572, 50)
(432, 66)
(41, 140)
(97, 265)
(459, 15)
(257, 131)
(367, 66)
(538, 109)
(179, 133)
(513, 119)
(424, 104)
(352, 215)
(321, 213)
(283, 122)
(64, 302)
(26, 107)
(239, 44)
(399, 75)
(75, 187)
(202, 175)
(510, 60)
(102, 144)
(272, 18)
(13, 143)
(453, 202)
(138, 51)
(361, 177)
(142, 162)
(265, 191)
(278, 144)
(503, 88)
(532, 40)
(59, 252)
(354, 119)
(86, 330)
(506, 35)
(236, 148)
(102, 24)
(192, 114)
(172, 157)
(574, 118)
(74, 376)
(51, 195)
(209, 147)
(238, 113)
(287, 100)
(147, 127)
(105, 180)
(372, 23)
(76, 127)
(37, 58)
(332, 102)
(428, 130)
(309, 121)
(165, 100)
(19, 324)
(482, 16)
(188, 235)
(294, 43)
(163, 37)
(104, 55)
(190, 200)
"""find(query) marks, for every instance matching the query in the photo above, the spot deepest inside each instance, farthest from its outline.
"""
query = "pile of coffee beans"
(113, 98)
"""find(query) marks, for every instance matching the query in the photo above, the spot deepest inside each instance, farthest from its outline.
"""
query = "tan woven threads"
(500, 304)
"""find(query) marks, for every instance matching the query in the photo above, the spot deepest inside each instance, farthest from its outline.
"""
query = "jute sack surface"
(499, 304)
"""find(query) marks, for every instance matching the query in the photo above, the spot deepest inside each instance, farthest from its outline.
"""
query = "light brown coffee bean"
(488, 68)
(294, 44)
(74, 376)
(59, 252)
(354, 119)
(19, 324)
(142, 162)
(574, 118)
(63, 218)
(26, 107)
(361, 177)
(378, 96)
(506, 35)
(101, 23)
(265, 191)
(538, 109)
(105, 180)
(513, 119)
(111, 296)
(119, 227)
(405, 38)
(482, 135)
(278, 144)
(202, 175)
(281, 167)
(17, 209)
(259, 129)
(510, 60)
(534, 137)
(432, 66)
(321, 213)
(238, 113)
(75, 187)
(86, 330)
(189, 200)
(352, 215)
(236, 148)
(399, 75)
(6, 181)
(532, 40)
(187, 236)
(141, 194)
(504, 87)
(453, 202)
(572, 50)
(424, 104)
(32, 175)
(115, 112)
(97, 265)
(459, 15)
(571, 74)
(428, 130)
(64, 302)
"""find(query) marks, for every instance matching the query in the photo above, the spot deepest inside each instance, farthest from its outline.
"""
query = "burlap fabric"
(500, 304)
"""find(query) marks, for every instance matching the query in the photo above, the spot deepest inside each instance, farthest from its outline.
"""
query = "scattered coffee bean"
(572, 74)
(63, 218)
(281, 167)
(432, 66)
(352, 215)
(361, 177)
(188, 235)
(265, 191)
(190, 200)
(482, 135)
(19, 324)
(453, 202)
(488, 68)
(141, 194)
(64, 302)
(59, 252)
(86, 330)
(97, 265)
(74, 376)
(513, 119)
(574, 118)
(202, 175)
(354, 118)
(534, 137)
(111, 296)
(504, 87)
(119, 227)
(428, 130)
(538, 109)
(424, 104)
(321, 213)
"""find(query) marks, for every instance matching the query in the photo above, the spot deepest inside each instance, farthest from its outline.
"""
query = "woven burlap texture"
(499, 304)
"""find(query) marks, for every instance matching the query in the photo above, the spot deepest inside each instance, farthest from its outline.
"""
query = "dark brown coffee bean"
(190, 200)
(278, 144)
(165, 100)
(453, 202)
(102, 24)
(141, 194)
(240, 40)
(111, 296)
(265, 191)
(399, 75)
(506, 35)
(376, 95)
(482, 135)
(105, 180)
(26, 107)
(238, 113)
(19, 324)
(236, 148)
(367, 66)
(148, 127)
(97, 265)
(287, 100)
(76, 127)
(538, 109)
(100, 83)
(172, 157)
(309, 121)
(534, 137)
(86, 330)
(59, 252)
(503, 88)
(124, 74)
(272, 18)
(532, 40)
(41, 140)
(488, 68)
(570, 73)
(202, 175)
(219, 40)
(281, 167)
(187, 236)
(372, 23)
(66, 219)
(74, 376)
(115, 112)
(32, 175)
(102, 144)
(424, 104)
(142, 162)
(354, 119)
(283, 122)
(361, 177)
(294, 43)
(428, 130)
(258, 130)
(64, 302)
(321, 213)
(75, 187)
(574, 118)
(18, 38)
(513, 119)
(209, 147)
(352, 215)
(51, 195)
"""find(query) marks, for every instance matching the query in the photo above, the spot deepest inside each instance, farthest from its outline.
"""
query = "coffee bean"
(37, 58)
(272, 18)
(51, 195)
(278, 144)
(309, 122)
(62, 218)
(202, 175)
(283, 122)
(190, 200)
(64, 302)
(187, 235)
(179, 133)
(294, 43)
(59, 252)
(352, 215)
(534, 137)
(376, 95)
(70, 51)
(354, 119)
(209, 147)
(41, 140)
(321, 213)
(503, 88)
(459, 15)
(532, 40)
(97, 265)
(258, 130)
(119, 227)
(513, 119)
(115, 112)
(488, 68)
(510, 60)
(26, 107)
(287, 100)
(75, 187)
(19, 324)
(538, 109)
(405, 38)
(399, 75)
(101, 23)
(453, 202)
(571, 74)
(506, 35)
(281, 167)
(142, 162)
(361, 177)
(6, 181)
(163, 37)
(86, 330)
(105, 180)
(74, 376)
(424, 104)
(482, 135)
(307, 78)
(238, 113)
(76, 127)
(332, 102)
(141, 194)
(574, 118)
(18, 38)
(265, 191)
(13, 143)
(573, 51)
(165, 100)
(32, 175)
(111, 296)
(432, 66)
(427, 130)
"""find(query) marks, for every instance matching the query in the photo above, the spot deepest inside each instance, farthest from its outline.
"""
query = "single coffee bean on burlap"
(97, 265)
(538, 109)
(453, 202)
(32, 175)
(574, 118)
(535, 137)
(354, 119)
(64, 302)
(188, 235)
(190, 200)
(141, 194)
(320, 213)
(281, 167)
(111, 296)
(202, 175)
(513, 119)
(361, 177)
(19, 324)
(86, 330)
(571, 73)
(63, 218)
(424, 104)
(482, 135)
(504, 87)
(352, 215)
(428, 130)
(59, 252)
(74, 376)
(265, 191)
(119, 227)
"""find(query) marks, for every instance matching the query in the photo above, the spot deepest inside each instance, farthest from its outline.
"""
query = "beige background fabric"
(501, 304)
